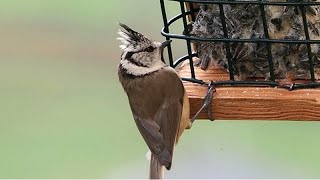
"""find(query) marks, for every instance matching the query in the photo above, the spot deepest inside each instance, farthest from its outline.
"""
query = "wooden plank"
(251, 103)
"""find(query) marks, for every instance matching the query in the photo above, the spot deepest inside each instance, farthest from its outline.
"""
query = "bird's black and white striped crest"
(132, 41)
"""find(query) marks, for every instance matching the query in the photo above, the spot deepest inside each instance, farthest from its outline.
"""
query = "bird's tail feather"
(156, 168)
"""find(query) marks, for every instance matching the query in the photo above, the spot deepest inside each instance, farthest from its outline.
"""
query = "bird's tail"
(156, 168)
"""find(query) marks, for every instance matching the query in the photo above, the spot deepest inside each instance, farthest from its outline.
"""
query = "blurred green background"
(63, 113)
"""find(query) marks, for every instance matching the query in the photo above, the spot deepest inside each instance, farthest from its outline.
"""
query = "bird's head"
(140, 49)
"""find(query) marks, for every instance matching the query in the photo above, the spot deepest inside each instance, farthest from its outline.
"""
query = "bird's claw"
(210, 114)
(207, 102)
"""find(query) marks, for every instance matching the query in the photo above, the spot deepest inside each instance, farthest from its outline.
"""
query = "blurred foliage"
(64, 114)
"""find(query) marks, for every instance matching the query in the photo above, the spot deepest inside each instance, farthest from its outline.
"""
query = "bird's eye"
(150, 49)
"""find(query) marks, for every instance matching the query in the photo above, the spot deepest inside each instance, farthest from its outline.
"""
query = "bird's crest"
(131, 40)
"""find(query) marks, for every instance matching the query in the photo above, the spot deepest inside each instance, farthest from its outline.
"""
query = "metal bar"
(193, 80)
(166, 29)
(225, 34)
(306, 32)
(181, 59)
(308, 85)
(192, 10)
(266, 34)
(193, 38)
(177, 17)
(250, 83)
(287, 3)
(221, 83)
(183, 12)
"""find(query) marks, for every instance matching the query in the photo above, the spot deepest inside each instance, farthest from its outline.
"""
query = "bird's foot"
(208, 98)
(207, 103)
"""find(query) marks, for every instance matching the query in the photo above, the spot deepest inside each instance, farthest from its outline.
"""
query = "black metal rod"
(184, 18)
(266, 83)
(193, 38)
(225, 34)
(166, 29)
(181, 59)
(193, 80)
(266, 34)
(193, 11)
(261, 83)
(284, 3)
(177, 17)
(308, 85)
(306, 32)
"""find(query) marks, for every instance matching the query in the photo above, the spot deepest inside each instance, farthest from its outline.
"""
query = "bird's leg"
(207, 102)
(208, 99)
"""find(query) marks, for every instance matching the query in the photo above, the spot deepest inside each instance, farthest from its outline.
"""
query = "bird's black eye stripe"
(128, 55)
(149, 49)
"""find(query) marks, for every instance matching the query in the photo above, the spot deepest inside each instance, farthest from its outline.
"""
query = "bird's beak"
(165, 43)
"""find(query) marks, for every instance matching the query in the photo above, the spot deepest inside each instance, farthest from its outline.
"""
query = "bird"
(157, 97)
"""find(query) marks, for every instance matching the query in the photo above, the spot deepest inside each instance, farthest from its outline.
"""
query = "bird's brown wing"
(157, 106)
(170, 117)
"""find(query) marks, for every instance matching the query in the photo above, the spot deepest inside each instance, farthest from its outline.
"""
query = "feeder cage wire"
(191, 13)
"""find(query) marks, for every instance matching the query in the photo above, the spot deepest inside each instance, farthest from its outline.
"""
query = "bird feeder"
(256, 99)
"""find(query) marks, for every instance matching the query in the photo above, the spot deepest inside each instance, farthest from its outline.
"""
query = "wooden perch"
(251, 103)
